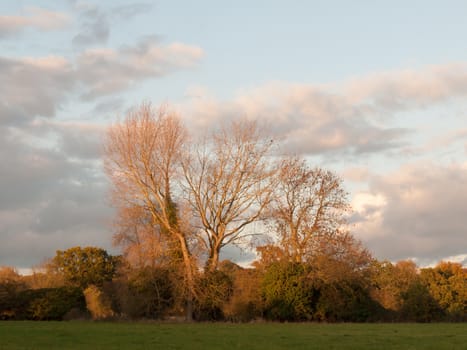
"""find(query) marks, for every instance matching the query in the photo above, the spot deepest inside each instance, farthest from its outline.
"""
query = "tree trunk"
(189, 277)
(213, 260)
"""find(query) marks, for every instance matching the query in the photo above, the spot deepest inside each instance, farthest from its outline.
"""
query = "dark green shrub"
(287, 292)
(143, 293)
(345, 301)
(214, 290)
(44, 304)
(419, 306)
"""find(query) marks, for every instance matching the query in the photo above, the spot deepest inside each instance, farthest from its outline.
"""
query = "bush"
(214, 291)
(144, 293)
(245, 304)
(419, 306)
(98, 303)
(287, 292)
(43, 304)
(346, 301)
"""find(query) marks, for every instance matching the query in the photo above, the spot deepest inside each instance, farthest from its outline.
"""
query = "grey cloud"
(49, 201)
(131, 10)
(425, 216)
(75, 204)
(79, 140)
(32, 87)
(108, 106)
(28, 173)
(26, 249)
(95, 29)
(53, 193)
(241, 256)
(95, 22)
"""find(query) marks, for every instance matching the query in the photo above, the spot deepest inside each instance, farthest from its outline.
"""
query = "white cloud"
(398, 90)
(356, 174)
(351, 117)
(105, 71)
(310, 119)
(34, 17)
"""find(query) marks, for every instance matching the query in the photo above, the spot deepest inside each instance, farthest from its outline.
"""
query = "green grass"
(89, 336)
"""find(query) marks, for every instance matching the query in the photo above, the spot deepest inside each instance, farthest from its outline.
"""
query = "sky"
(373, 90)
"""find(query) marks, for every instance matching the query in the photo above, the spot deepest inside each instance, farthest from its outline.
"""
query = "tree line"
(88, 283)
(180, 200)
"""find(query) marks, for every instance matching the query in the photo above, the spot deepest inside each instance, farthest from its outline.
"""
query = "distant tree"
(9, 274)
(267, 255)
(44, 276)
(245, 303)
(390, 282)
(85, 266)
(10, 280)
(447, 284)
(10, 285)
(308, 208)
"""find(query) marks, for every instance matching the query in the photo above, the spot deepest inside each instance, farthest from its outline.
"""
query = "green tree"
(85, 266)
(418, 305)
(447, 284)
(390, 282)
(10, 285)
(341, 279)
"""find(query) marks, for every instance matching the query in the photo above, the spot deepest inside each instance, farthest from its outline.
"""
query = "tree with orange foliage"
(142, 155)
(307, 210)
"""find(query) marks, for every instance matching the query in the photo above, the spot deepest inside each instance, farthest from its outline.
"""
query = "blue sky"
(374, 90)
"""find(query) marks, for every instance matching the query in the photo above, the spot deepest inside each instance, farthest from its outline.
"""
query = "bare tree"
(308, 208)
(229, 184)
(141, 158)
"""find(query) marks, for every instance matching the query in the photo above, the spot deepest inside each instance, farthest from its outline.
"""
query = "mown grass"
(97, 335)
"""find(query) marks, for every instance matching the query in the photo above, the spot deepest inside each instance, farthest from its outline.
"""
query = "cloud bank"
(417, 212)
(352, 117)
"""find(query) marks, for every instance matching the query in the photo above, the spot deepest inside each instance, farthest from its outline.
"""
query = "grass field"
(89, 335)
